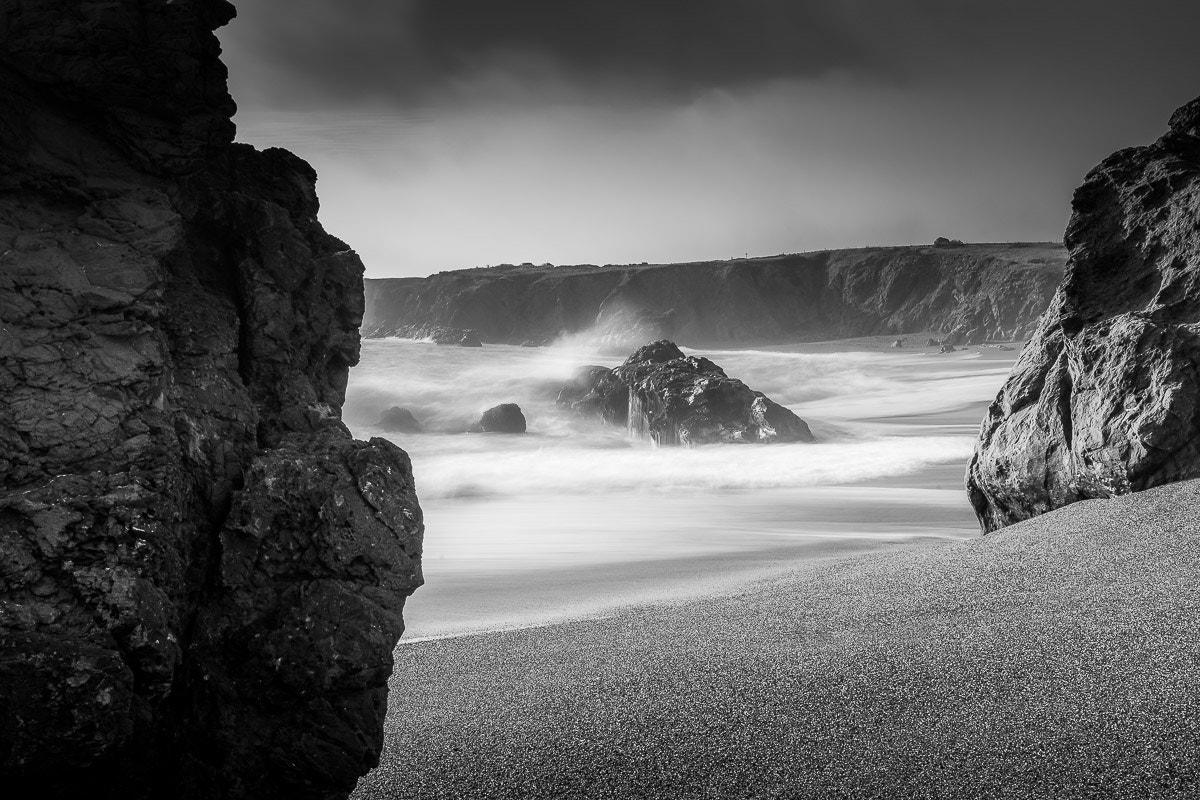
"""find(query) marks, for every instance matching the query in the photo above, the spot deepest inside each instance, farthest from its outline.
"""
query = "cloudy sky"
(458, 133)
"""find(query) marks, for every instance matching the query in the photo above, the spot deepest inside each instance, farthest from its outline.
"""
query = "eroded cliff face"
(969, 292)
(1105, 399)
(201, 573)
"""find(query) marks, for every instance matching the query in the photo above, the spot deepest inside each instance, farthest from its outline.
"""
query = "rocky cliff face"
(970, 292)
(201, 573)
(1105, 399)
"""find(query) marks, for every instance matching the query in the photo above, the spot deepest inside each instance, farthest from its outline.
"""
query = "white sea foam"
(582, 490)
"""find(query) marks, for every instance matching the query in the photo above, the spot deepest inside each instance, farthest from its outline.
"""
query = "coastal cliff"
(969, 292)
(1105, 398)
(202, 573)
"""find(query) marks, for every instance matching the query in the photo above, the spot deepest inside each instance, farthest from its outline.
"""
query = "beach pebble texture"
(1057, 659)
(201, 573)
(1105, 397)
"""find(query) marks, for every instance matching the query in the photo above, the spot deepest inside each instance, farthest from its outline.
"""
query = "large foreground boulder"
(670, 398)
(202, 574)
(1105, 398)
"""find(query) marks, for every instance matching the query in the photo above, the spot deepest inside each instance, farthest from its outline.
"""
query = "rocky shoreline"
(203, 575)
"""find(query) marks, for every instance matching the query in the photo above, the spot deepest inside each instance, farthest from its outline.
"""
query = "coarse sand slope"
(1056, 658)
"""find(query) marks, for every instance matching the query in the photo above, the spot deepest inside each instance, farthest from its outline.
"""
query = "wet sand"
(1058, 658)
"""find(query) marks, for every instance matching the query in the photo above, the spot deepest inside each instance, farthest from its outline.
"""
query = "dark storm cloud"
(686, 44)
(317, 52)
(411, 49)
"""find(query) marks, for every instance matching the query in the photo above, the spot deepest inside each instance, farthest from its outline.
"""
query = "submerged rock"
(202, 575)
(670, 398)
(1105, 397)
(504, 418)
(581, 383)
(458, 337)
(438, 334)
(400, 420)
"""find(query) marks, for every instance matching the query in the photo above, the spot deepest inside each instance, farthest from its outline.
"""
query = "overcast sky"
(458, 133)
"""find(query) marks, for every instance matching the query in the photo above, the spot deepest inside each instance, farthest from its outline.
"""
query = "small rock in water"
(455, 336)
(504, 418)
(399, 420)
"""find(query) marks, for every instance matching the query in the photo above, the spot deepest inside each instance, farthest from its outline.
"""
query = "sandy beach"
(1055, 659)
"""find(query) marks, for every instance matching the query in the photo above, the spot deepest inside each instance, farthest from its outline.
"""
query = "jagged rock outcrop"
(504, 418)
(201, 573)
(670, 398)
(970, 292)
(1105, 399)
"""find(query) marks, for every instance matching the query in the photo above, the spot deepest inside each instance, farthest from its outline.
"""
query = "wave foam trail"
(863, 405)
(558, 470)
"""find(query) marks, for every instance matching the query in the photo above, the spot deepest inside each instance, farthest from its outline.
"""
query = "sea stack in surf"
(671, 398)
(201, 573)
(1105, 398)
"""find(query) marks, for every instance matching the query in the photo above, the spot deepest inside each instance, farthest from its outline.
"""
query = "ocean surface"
(576, 517)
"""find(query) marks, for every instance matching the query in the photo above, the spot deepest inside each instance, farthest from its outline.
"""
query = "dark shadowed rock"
(504, 418)
(202, 574)
(668, 397)
(400, 420)
(1105, 397)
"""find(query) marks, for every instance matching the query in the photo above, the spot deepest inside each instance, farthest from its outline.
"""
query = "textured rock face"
(970, 292)
(201, 573)
(670, 398)
(504, 418)
(1105, 399)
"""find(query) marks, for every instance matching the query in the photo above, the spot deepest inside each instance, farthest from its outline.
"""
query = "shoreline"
(1057, 658)
(473, 603)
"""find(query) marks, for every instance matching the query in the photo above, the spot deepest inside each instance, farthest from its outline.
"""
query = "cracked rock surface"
(202, 573)
(1105, 398)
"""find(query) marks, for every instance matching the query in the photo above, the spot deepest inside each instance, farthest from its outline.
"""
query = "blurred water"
(895, 430)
